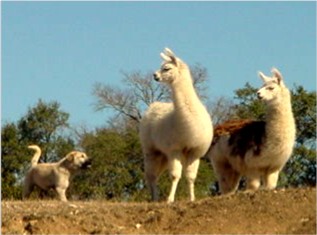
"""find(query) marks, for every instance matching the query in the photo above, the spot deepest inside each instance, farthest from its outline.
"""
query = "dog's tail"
(36, 155)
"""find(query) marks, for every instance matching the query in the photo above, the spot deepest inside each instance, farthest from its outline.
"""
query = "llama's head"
(171, 68)
(272, 88)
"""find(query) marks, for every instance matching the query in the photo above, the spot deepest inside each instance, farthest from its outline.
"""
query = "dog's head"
(78, 160)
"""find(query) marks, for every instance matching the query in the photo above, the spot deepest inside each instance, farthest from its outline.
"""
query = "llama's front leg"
(228, 178)
(191, 174)
(270, 180)
(175, 171)
(253, 183)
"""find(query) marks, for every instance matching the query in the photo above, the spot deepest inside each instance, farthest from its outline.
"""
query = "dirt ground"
(289, 211)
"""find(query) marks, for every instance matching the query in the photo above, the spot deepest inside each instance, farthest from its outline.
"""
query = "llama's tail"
(36, 155)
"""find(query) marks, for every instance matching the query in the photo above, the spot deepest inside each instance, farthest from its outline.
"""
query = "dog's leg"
(61, 191)
(28, 188)
(44, 193)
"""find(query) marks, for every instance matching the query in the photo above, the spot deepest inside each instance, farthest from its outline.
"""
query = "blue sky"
(57, 51)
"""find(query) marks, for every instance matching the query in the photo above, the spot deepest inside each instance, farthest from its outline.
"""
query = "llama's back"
(235, 140)
(247, 146)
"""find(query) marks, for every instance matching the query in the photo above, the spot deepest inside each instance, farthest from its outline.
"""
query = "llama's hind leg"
(270, 180)
(154, 165)
(253, 183)
(175, 171)
(191, 174)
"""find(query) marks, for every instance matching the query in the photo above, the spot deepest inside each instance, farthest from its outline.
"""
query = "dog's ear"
(70, 156)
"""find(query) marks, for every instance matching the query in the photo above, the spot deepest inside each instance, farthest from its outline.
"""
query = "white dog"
(53, 175)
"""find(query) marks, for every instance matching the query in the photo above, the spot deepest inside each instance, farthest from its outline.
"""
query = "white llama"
(175, 135)
(257, 150)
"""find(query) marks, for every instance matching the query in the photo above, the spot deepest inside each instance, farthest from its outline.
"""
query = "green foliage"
(300, 170)
(41, 126)
(248, 106)
(117, 165)
(304, 108)
(12, 158)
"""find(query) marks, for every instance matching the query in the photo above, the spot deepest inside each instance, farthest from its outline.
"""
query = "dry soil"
(284, 211)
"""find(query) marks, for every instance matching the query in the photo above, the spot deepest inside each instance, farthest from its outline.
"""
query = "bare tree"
(138, 92)
(223, 109)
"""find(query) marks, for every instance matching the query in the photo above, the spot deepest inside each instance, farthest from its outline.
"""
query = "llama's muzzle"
(259, 95)
(156, 77)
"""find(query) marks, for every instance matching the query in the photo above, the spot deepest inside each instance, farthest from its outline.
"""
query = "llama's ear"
(169, 52)
(165, 57)
(174, 60)
(263, 77)
(277, 74)
(168, 55)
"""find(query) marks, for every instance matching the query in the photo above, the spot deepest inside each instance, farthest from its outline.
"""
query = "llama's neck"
(185, 98)
(280, 124)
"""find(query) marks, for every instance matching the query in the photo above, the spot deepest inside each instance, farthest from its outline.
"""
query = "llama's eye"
(270, 88)
(166, 69)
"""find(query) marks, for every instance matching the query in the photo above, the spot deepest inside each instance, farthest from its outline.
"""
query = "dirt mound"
(290, 211)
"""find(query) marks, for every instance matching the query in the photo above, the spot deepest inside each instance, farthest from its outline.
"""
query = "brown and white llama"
(175, 135)
(257, 150)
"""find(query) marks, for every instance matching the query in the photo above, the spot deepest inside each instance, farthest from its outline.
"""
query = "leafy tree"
(304, 107)
(42, 125)
(248, 106)
(11, 160)
(117, 166)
